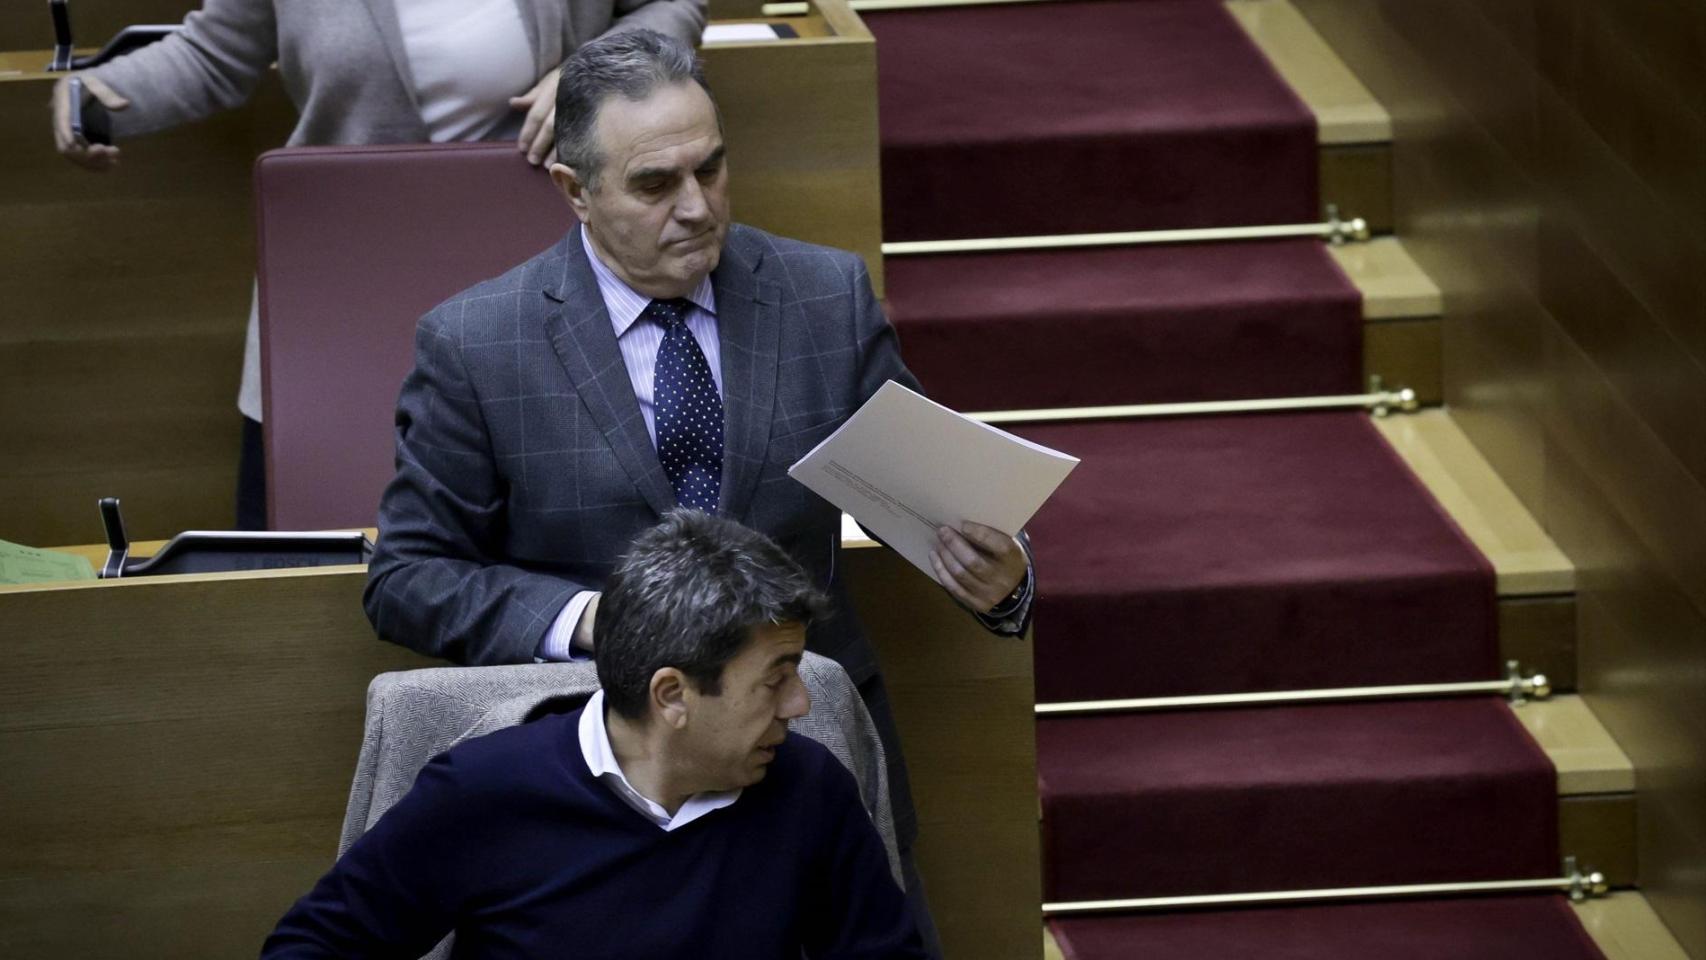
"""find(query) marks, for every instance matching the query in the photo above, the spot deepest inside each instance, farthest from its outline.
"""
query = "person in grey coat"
(352, 67)
(359, 72)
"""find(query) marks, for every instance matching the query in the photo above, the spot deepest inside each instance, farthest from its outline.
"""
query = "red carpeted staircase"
(1211, 554)
(1261, 552)
(1077, 117)
(1116, 325)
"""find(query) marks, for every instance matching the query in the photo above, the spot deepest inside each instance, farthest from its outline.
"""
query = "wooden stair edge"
(1625, 927)
(1586, 757)
(1345, 111)
(1393, 285)
(1527, 561)
(1051, 949)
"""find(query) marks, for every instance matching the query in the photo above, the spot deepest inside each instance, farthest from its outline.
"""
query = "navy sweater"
(510, 841)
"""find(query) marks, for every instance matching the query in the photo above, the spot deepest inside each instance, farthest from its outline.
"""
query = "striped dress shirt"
(639, 342)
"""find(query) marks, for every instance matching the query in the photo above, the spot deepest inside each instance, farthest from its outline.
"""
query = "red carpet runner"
(1205, 555)
(1077, 117)
(1263, 552)
(1298, 798)
(1497, 928)
(1115, 325)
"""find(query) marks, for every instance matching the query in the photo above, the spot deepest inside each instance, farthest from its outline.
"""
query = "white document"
(738, 33)
(904, 465)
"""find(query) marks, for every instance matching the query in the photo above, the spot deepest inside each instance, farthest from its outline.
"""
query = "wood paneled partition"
(1550, 175)
(123, 300)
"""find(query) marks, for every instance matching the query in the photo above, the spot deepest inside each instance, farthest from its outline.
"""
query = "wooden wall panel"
(1647, 366)
(796, 167)
(1357, 178)
(1597, 58)
(964, 701)
(1599, 830)
(735, 9)
(153, 912)
(27, 25)
(122, 309)
(1550, 175)
(171, 792)
(1540, 634)
(1405, 353)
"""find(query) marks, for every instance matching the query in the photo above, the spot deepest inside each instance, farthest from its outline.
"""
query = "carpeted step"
(1257, 552)
(1295, 797)
(1084, 116)
(1148, 324)
(1535, 927)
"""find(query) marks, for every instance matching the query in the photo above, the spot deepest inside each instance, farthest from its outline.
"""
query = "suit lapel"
(749, 328)
(580, 333)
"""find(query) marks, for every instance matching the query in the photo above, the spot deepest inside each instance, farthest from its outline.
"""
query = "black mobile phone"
(90, 122)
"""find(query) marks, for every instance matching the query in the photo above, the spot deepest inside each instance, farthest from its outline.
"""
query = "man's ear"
(570, 186)
(669, 697)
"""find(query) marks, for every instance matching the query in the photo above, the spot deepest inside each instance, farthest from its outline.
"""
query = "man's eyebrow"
(715, 159)
(792, 659)
(664, 173)
(651, 173)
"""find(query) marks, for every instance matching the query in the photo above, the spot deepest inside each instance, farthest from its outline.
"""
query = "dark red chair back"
(355, 244)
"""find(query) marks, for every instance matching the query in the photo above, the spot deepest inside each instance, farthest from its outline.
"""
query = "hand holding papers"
(904, 465)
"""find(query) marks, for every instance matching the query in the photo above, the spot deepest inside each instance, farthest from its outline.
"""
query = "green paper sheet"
(21, 564)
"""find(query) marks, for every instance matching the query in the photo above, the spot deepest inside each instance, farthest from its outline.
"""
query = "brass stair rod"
(1579, 885)
(1514, 686)
(1333, 231)
(860, 6)
(1379, 402)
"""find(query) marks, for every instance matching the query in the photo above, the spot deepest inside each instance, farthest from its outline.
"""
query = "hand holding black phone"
(90, 122)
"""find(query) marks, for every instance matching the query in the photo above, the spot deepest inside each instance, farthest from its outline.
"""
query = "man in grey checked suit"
(527, 434)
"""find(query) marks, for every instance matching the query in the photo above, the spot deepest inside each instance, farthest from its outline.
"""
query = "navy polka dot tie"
(689, 415)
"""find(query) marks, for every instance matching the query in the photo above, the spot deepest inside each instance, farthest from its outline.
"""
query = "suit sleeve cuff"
(558, 642)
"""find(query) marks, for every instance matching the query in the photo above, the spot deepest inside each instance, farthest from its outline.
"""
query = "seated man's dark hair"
(686, 595)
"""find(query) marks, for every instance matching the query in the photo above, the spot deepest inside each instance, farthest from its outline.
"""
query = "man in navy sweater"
(672, 816)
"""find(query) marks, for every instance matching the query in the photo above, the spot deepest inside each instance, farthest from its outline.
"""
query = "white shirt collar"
(601, 760)
(624, 302)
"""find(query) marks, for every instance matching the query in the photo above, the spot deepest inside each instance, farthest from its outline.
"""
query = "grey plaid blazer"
(415, 715)
(523, 464)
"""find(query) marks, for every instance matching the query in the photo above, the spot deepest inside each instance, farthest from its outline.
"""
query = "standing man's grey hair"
(629, 64)
(686, 595)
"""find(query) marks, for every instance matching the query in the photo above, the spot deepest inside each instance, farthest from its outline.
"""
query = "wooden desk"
(178, 753)
(124, 296)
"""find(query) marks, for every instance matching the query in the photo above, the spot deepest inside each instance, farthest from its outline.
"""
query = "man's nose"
(690, 202)
(796, 704)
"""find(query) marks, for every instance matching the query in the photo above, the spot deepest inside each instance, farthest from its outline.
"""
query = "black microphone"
(61, 36)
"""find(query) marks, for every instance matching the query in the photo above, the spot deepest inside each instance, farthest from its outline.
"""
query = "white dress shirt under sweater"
(601, 760)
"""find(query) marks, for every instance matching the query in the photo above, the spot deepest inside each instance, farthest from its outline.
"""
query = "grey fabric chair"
(414, 715)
